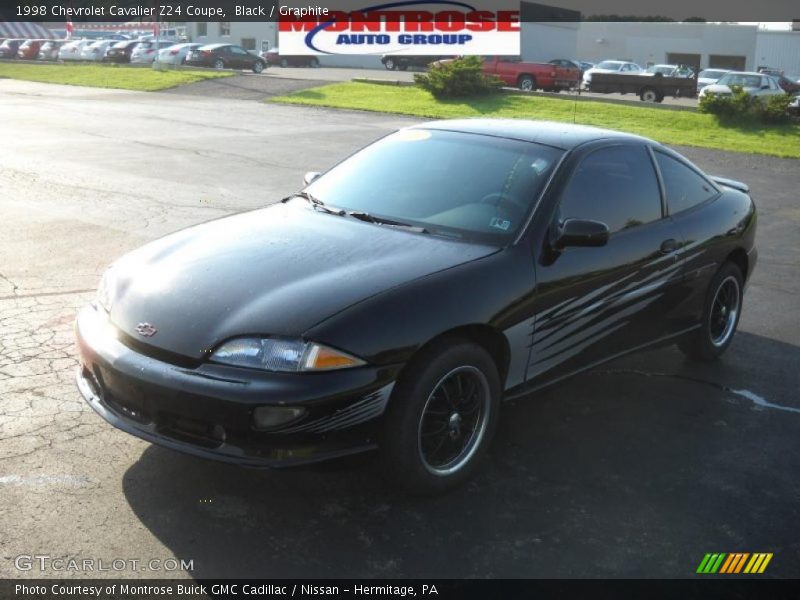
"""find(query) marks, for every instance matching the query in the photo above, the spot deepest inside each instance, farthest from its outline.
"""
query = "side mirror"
(310, 177)
(580, 232)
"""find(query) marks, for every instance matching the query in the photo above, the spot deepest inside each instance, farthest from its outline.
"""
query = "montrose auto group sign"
(410, 27)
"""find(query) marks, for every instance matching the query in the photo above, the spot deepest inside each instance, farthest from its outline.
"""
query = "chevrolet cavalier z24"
(397, 299)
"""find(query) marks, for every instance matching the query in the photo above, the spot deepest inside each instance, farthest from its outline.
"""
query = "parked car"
(49, 50)
(273, 57)
(252, 353)
(585, 65)
(610, 66)
(177, 53)
(681, 71)
(566, 62)
(225, 56)
(787, 85)
(529, 76)
(96, 51)
(755, 84)
(393, 62)
(145, 52)
(709, 76)
(794, 105)
(73, 50)
(29, 49)
(121, 51)
(9, 48)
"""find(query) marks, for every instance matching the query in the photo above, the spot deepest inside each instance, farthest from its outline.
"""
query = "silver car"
(145, 52)
(709, 76)
(72, 50)
(96, 50)
(176, 54)
(610, 66)
(755, 84)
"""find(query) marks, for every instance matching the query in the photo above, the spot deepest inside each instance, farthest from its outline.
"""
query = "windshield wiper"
(316, 203)
(369, 218)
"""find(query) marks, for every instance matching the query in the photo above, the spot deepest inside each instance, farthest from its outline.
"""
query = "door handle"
(669, 246)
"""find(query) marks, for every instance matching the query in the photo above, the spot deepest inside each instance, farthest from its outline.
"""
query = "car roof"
(212, 46)
(748, 73)
(558, 135)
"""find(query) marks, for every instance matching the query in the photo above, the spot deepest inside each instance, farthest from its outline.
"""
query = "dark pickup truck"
(648, 86)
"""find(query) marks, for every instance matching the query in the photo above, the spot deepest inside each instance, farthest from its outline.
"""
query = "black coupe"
(402, 295)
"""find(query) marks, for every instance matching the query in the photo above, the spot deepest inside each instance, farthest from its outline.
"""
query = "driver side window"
(616, 186)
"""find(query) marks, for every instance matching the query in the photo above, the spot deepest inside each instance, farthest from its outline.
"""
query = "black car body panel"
(302, 266)
(121, 51)
(382, 293)
(232, 57)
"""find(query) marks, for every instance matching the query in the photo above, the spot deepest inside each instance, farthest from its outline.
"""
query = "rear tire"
(390, 64)
(442, 416)
(527, 83)
(721, 312)
(258, 66)
(648, 95)
(219, 64)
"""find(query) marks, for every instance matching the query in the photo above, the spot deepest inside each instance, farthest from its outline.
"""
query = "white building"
(701, 45)
(780, 50)
(249, 35)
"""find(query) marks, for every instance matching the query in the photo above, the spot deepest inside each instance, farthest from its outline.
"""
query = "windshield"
(748, 81)
(609, 64)
(459, 184)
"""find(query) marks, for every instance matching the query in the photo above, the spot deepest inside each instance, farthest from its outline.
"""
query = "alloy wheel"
(454, 420)
(724, 311)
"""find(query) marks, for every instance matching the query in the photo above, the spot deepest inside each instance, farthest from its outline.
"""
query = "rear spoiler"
(737, 185)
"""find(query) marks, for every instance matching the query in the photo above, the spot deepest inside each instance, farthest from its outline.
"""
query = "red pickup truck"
(529, 76)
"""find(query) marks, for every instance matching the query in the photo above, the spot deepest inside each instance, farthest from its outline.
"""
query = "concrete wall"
(239, 31)
(779, 49)
(546, 41)
(651, 42)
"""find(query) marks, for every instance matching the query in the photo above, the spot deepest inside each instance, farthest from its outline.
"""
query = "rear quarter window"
(685, 187)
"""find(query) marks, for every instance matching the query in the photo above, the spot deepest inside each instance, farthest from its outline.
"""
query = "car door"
(596, 302)
(690, 203)
(240, 57)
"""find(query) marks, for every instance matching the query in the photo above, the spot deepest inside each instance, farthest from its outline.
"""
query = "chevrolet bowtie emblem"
(146, 329)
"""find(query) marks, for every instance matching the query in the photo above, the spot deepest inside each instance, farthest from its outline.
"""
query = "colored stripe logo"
(737, 562)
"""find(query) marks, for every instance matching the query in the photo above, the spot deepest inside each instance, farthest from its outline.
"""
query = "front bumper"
(207, 411)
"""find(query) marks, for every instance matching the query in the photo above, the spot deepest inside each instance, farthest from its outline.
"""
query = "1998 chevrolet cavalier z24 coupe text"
(396, 300)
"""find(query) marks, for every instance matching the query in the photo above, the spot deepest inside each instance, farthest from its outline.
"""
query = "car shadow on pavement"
(635, 469)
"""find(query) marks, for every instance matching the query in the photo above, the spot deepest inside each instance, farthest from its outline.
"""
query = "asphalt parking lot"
(636, 469)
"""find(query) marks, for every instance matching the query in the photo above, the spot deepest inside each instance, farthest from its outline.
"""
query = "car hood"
(717, 89)
(275, 271)
(594, 70)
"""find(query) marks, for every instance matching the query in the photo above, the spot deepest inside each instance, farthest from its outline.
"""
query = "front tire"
(441, 417)
(721, 312)
(390, 64)
(258, 66)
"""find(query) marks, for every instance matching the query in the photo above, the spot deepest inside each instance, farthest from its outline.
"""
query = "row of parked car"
(219, 56)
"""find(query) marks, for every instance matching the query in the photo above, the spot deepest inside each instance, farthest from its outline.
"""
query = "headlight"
(282, 355)
(106, 290)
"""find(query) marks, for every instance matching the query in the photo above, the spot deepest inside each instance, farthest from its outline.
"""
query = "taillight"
(173, 52)
(205, 52)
